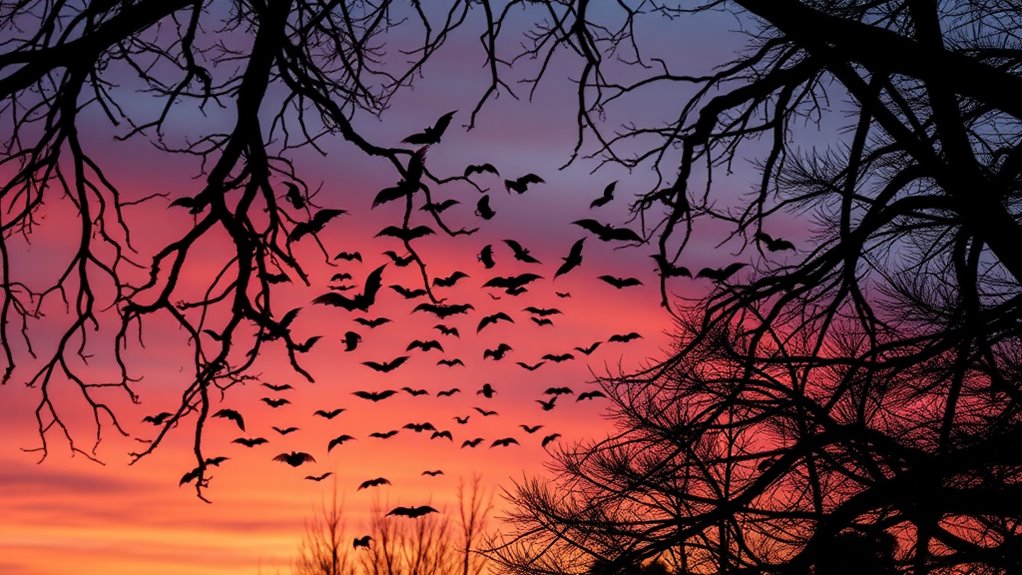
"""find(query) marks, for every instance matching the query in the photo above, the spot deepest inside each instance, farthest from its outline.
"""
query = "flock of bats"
(353, 298)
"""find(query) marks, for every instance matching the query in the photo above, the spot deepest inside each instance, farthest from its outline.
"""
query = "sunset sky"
(71, 515)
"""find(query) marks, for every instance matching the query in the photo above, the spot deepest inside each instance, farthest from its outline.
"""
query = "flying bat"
(374, 396)
(306, 345)
(339, 277)
(624, 337)
(550, 438)
(398, 260)
(512, 283)
(504, 442)
(669, 270)
(521, 184)
(433, 473)
(329, 414)
(532, 367)
(274, 278)
(424, 345)
(407, 293)
(449, 280)
(448, 392)
(387, 366)
(562, 294)
(384, 434)
(420, 427)
(530, 428)
(443, 311)
(774, 244)
(372, 323)
(572, 260)
(608, 233)
(521, 254)
(278, 386)
(720, 274)
(441, 435)
(606, 198)
(339, 440)
(480, 168)
(558, 358)
(483, 209)
(548, 404)
(316, 224)
(294, 196)
(621, 283)
(439, 208)
(285, 430)
(450, 362)
(589, 395)
(493, 319)
(251, 441)
(471, 442)
(351, 340)
(414, 392)
(485, 257)
(362, 541)
(295, 458)
(558, 391)
(541, 321)
(190, 476)
(274, 403)
(461, 420)
(432, 134)
(542, 311)
(349, 256)
(233, 416)
(360, 301)
(589, 349)
(485, 412)
(318, 478)
(412, 512)
(487, 391)
(498, 353)
(444, 330)
(405, 234)
(216, 461)
(373, 483)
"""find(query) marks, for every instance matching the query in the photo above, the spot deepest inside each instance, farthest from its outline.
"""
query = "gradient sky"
(69, 514)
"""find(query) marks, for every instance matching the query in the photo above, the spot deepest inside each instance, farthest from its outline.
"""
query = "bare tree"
(324, 550)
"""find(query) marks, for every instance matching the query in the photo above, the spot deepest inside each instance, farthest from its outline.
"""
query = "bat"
(157, 419)
(479, 169)
(504, 442)
(572, 260)
(432, 134)
(295, 458)
(398, 260)
(190, 476)
(339, 440)
(318, 478)
(558, 391)
(483, 209)
(362, 541)
(471, 442)
(340, 277)
(530, 428)
(274, 403)
(433, 473)
(374, 396)
(351, 340)
(424, 345)
(294, 196)
(278, 386)
(443, 311)
(561, 294)
(589, 395)
(275, 278)
(412, 512)
(316, 224)
(484, 412)
(448, 392)
(329, 414)
(450, 362)
(440, 207)
(774, 244)
(485, 257)
(620, 283)
(542, 311)
(720, 274)
(444, 330)
(548, 404)
(461, 420)
(512, 284)
(550, 438)
(450, 280)
(669, 270)
(384, 434)
(608, 233)
(407, 293)
(373, 483)
(395, 192)
(414, 392)
(541, 321)
(405, 234)
(493, 319)
(349, 256)
(419, 427)
(306, 345)
(360, 301)
(441, 435)
(387, 366)
(498, 353)
(216, 461)
(606, 198)
(624, 337)
(558, 358)
(521, 254)
(590, 349)
(372, 323)
(251, 441)
(285, 430)
(487, 391)
(532, 367)
(521, 184)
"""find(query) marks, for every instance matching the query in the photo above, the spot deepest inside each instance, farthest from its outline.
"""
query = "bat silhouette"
(486, 257)
(541, 321)
(561, 294)
(448, 392)
(318, 478)
(374, 396)
(550, 438)
(233, 416)
(720, 274)
(493, 319)
(620, 283)
(624, 337)
(372, 323)
(295, 458)
(441, 435)
(548, 404)
(414, 392)
(360, 301)
(278, 386)
(362, 541)
(306, 345)
(329, 414)
(274, 403)
(774, 244)
(275, 278)
(405, 234)
(294, 196)
(424, 345)
(412, 512)
(572, 260)
(408, 293)
(387, 366)
(512, 284)
(251, 441)
(606, 198)
(343, 288)
(483, 209)
(558, 358)
(216, 461)
(529, 367)
(558, 391)
(484, 412)
(590, 349)
(351, 340)
(589, 395)
(432, 134)
(669, 270)
(373, 483)
(339, 277)
(398, 260)
(439, 208)
(316, 224)
(608, 233)
(542, 311)
(480, 168)
(419, 427)
(349, 256)
(396, 192)
(450, 362)
(530, 428)
(498, 353)
(461, 420)
(504, 442)
(339, 440)
(521, 254)
(444, 311)
(487, 391)
(450, 280)
(285, 430)
(190, 476)
(433, 473)
(471, 442)
(444, 330)
(384, 434)
(522, 184)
